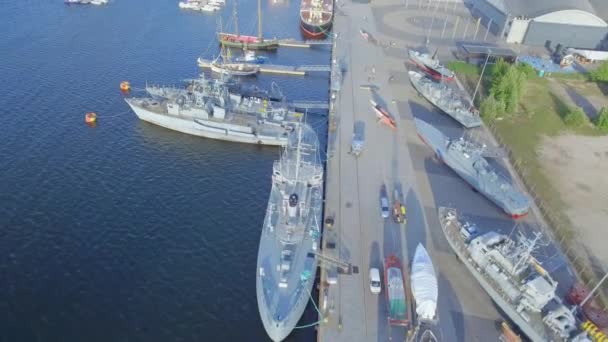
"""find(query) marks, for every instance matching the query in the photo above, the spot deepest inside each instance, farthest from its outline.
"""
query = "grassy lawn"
(540, 113)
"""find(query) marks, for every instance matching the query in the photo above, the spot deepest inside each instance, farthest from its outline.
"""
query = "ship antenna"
(298, 150)
(260, 21)
(236, 20)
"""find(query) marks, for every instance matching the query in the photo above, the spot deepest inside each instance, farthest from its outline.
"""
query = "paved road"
(397, 159)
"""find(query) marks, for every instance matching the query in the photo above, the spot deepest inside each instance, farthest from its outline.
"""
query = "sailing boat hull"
(247, 42)
(315, 31)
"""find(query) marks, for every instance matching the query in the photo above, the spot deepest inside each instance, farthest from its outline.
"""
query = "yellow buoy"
(125, 86)
(90, 117)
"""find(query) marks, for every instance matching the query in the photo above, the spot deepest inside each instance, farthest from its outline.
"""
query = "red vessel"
(316, 17)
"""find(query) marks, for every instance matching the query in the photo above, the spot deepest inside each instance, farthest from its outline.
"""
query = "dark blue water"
(127, 231)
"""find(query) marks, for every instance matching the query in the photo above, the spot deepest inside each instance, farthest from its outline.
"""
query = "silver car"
(384, 202)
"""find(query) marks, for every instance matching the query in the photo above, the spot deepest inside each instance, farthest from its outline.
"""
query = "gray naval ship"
(506, 269)
(212, 109)
(442, 96)
(466, 159)
(287, 260)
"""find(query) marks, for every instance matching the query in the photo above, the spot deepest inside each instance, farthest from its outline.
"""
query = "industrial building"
(572, 23)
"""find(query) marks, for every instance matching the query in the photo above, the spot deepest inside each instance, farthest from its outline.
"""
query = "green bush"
(601, 73)
(601, 121)
(527, 70)
(490, 108)
(575, 117)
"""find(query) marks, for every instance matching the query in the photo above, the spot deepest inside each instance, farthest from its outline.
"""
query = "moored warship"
(466, 159)
(208, 108)
(287, 260)
(514, 279)
(431, 65)
(444, 98)
(316, 17)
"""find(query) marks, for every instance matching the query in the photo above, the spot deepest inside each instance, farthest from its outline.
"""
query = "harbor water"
(127, 231)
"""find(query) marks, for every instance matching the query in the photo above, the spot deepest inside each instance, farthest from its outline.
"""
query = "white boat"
(249, 56)
(424, 285)
(233, 69)
(217, 2)
(192, 5)
(209, 8)
(99, 2)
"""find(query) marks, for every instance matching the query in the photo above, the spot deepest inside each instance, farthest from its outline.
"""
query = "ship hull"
(247, 42)
(465, 123)
(287, 261)
(436, 75)
(315, 31)
(460, 249)
(278, 329)
(316, 20)
(437, 142)
(203, 128)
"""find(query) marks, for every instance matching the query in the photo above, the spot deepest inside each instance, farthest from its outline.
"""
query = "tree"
(601, 121)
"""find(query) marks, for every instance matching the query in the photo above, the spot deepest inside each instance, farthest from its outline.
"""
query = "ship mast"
(260, 20)
(236, 20)
(298, 151)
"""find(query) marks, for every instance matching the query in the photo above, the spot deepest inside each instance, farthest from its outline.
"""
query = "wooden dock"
(304, 44)
(300, 70)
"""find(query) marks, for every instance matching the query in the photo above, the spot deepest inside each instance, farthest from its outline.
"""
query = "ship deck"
(532, 325)
(241, 119)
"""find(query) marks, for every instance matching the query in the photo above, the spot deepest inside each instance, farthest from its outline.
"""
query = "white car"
(375, 285)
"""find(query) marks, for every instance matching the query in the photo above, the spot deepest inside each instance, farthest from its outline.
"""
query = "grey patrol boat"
(466, 159)
(287, 260)
(444, 98)
(208, 108)
(506, 269)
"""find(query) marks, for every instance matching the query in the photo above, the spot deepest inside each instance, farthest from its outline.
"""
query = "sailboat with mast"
(236, 40)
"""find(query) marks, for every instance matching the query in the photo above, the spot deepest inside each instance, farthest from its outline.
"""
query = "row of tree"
(507, 83)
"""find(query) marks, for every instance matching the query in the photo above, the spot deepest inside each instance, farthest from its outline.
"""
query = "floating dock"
(304, 44)
(301, 70)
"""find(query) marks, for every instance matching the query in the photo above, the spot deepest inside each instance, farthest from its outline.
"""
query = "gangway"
(306, 105)
(345, 267)
(305, 43)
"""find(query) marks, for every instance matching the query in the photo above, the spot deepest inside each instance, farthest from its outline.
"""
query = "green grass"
(463, 68)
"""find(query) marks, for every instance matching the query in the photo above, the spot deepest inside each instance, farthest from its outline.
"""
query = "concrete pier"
(377, 70)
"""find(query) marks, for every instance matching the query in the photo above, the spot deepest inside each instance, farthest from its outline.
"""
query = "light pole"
(592, 291)
(480, 77)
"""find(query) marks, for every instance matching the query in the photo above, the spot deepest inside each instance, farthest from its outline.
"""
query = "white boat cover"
(424, 284)
(594, 55)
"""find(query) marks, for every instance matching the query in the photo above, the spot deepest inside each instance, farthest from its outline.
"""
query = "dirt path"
(586, 95)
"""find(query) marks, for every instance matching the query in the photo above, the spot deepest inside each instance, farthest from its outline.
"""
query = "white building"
(573, 23)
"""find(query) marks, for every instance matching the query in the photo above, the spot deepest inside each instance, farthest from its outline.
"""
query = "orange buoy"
(125, 86)
(90, 117)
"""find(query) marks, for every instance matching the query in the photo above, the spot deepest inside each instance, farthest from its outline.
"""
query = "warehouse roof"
(535, 8)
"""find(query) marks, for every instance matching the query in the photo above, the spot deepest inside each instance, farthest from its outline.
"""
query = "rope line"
(321, 318)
